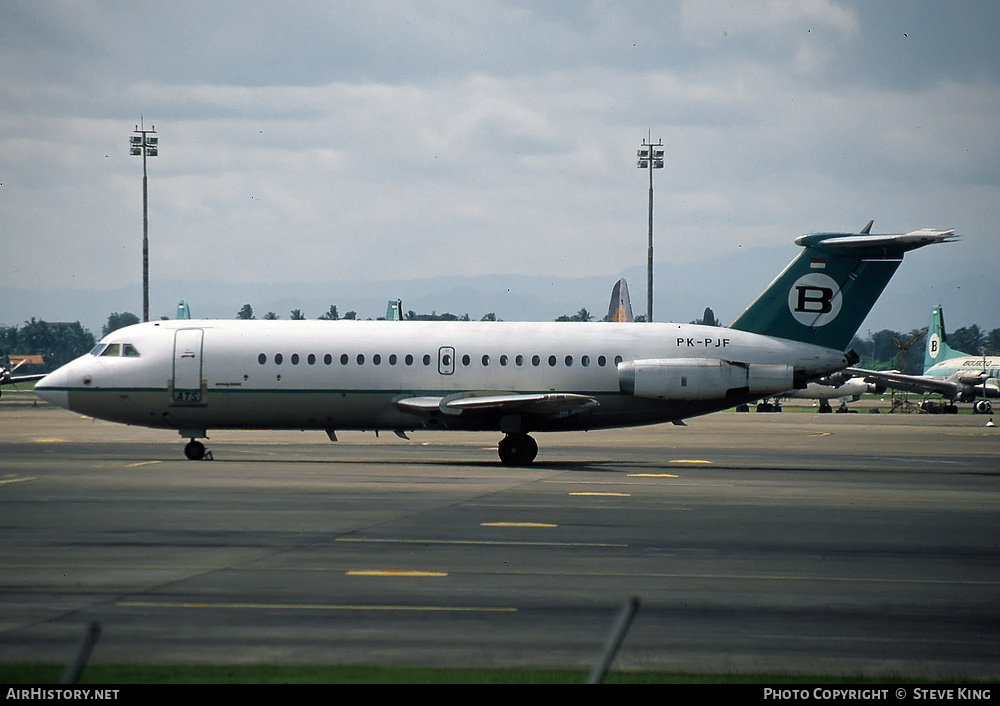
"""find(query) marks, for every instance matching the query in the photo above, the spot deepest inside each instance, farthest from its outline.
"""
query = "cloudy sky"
(393, 140)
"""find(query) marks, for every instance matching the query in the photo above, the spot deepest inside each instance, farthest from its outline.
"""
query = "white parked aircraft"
(840, 386)
(515, 378)
(954, 375)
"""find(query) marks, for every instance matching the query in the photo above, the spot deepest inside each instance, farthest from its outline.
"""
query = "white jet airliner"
(515, 378)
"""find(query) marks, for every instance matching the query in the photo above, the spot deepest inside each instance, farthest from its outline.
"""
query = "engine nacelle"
(702, 378)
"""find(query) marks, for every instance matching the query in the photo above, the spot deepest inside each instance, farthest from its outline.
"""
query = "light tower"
(142, 143)
(650, 157)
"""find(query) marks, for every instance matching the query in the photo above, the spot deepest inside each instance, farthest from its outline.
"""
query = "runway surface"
(794, 542)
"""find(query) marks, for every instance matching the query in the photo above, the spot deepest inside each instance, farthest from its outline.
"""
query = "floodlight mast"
(143, 144)
(650, 157)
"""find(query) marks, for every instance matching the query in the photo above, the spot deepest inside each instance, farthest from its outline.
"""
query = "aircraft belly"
(357, 411)
(291, 410)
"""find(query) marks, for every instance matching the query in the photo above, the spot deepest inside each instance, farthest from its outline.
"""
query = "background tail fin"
(824, 295)
(937, 342)
(620, 308)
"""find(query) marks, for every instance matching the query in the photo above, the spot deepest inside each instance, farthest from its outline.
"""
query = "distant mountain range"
(726, 283)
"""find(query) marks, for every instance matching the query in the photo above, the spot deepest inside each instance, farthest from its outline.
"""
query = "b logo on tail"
(814, 299)
(934, 346)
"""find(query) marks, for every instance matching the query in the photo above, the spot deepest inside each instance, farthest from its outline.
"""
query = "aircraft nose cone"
(52, 389)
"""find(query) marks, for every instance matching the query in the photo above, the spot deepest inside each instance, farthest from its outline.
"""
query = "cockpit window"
(115, 350)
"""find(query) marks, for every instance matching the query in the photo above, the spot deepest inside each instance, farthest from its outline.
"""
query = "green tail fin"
(824, 295)
(937, 343)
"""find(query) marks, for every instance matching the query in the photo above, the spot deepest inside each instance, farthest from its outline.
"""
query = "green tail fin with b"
(937, 342)
(824, 295)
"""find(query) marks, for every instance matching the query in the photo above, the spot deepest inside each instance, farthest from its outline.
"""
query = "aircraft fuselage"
(359, 375)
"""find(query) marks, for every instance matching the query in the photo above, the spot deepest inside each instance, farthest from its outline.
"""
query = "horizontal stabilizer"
(876, 245)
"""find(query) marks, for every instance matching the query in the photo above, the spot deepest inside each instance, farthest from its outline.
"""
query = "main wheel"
(195, 450)
(517, 449)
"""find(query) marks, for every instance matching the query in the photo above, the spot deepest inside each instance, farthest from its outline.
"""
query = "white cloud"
(311, 142)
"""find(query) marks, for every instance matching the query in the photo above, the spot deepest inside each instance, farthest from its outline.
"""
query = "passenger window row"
(466, 360)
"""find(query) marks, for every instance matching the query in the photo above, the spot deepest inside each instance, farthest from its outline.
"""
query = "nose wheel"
(195, 451)
(517, 450)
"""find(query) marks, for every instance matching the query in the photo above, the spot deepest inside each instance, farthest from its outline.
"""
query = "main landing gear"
(517, 450)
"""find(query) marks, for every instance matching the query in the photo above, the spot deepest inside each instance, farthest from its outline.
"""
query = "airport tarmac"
(793, 542)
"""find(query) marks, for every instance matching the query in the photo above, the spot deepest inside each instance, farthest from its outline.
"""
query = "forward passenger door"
(186, 388)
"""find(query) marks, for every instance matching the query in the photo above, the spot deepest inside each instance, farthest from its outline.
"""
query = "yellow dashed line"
(653, 475)
(612, 495)
(14, 479)
(141, 463)
(477, 542)
(689, 460)
(48, 441)
(515, 524)
(408, 574)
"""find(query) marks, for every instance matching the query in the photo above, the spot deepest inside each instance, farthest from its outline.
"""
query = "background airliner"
(954, 375)
(511, 377)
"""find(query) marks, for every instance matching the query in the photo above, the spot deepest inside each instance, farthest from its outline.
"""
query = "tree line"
(59, 342)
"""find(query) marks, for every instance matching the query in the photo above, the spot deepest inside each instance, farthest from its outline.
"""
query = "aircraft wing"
(14, 379)
(540, 403)
(909, 383)
(8, 378)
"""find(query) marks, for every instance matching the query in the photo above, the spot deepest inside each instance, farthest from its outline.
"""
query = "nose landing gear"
(195, 451)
